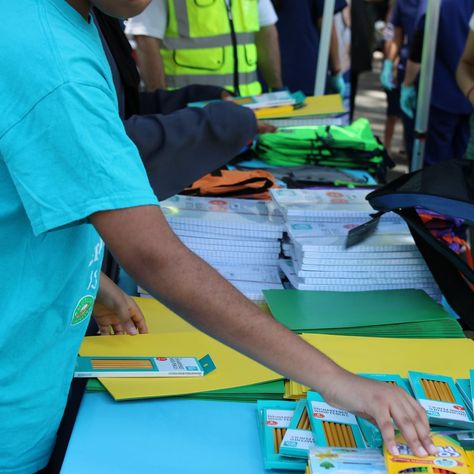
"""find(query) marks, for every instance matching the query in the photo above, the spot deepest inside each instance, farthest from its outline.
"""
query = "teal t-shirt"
(64, 155)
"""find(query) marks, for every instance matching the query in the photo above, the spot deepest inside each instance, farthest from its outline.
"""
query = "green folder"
(387, 313)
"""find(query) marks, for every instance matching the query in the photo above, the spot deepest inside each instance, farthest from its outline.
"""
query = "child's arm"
(151, 253)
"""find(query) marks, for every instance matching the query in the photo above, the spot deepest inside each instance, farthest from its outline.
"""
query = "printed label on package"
(325, 412)
(279, 418)
(450, 411)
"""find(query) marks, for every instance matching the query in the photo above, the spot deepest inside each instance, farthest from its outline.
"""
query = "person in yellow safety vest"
(212, 42)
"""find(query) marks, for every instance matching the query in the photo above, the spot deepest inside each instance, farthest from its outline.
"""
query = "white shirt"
(152, 21)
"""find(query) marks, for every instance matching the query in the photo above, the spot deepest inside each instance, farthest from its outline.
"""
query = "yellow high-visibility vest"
(211, 42)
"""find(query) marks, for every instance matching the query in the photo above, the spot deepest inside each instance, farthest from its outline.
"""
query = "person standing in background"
(299, 24)
(217, 43)
(403, 18)
(465, 80)
(449, 112)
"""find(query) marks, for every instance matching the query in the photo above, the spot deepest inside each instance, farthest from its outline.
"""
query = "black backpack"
(447, 189)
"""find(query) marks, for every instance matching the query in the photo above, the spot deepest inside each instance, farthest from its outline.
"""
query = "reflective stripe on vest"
(198, 44)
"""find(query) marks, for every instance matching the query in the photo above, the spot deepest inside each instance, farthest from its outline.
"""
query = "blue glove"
(386, 77)
(408, 100)
(337, 84)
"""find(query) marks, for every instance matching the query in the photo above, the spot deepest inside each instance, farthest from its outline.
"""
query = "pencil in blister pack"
(371, 433)
(298, 437)
(274, 417)
(451, 458)
(441, 399)
(332, 426)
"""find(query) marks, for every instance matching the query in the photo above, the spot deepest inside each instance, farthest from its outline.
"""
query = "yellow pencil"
(445, 390)
(436, 390)
(303, 420)
(328, 433)
(279, 438)
(275, 441)
(351, 437)
(346, 430)
(428, 389)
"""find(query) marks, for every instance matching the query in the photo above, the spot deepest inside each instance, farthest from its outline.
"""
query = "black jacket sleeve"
(165, 102)
(179, 148)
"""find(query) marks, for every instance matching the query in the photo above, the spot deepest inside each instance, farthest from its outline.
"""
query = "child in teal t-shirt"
(59, 163)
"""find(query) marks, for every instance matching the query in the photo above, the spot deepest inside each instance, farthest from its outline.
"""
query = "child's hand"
(115, 312)
(381, 403)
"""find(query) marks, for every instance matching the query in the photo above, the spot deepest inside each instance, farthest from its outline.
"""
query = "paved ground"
(371, 104)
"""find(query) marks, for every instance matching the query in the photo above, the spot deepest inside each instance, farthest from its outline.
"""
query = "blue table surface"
(169, 436)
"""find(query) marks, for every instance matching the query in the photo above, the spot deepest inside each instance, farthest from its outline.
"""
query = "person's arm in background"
(412, 70)
(146, 247)
(150, 62)
(465, 70)
(181, 147)
(268, 54)
(391, 57)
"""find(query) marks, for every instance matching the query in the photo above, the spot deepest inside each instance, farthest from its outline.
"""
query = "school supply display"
(446, 189)
(441, 399)
(389, 313)
(238, 237)
(87, 367)
(451, 458)
(346, 461)
(351, 146)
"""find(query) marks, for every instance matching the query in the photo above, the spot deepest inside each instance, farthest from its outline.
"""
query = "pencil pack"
(371, 433)
(346, 460)
(298, 437)
(274, 417)
(464, 387)
(451, 458)
(332, 427)
(91, 367)
(441, 399)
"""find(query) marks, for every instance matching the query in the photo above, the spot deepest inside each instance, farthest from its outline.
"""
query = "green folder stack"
(388, 313)
(249, 393)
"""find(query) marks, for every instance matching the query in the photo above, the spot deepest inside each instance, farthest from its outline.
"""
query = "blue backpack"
(446, 188)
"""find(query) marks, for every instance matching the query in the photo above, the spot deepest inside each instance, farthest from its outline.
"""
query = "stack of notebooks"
(317, 223)
(240, 238)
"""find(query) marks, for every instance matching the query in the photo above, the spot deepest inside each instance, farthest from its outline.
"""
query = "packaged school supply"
(371, 433)
(298, 437)
(441, 399)
(87, 367)
(273, 420)
(261, 101)
(447, 189)
(253, 184)
(352, 146)
(332, 426)
(451, 458)
(346, 461)
(464, 387)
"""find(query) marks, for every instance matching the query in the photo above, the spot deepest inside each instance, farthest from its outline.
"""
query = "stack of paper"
(317, 225)
(240, 238)
(392, 313)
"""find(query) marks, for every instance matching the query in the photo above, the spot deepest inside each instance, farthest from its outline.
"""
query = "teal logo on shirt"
(83, 309)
